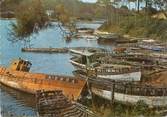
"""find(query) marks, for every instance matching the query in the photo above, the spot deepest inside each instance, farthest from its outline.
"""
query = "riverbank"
(2, 18)
(138, 26)
(48, 39)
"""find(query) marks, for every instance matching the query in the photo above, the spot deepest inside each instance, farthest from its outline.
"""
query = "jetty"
(60, 50)
(45, 50)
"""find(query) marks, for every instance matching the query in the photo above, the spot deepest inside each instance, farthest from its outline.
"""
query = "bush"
(119, 109)
(141, 108)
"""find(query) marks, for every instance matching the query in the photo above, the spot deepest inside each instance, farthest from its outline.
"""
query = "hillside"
(138, 26)
(78, 9)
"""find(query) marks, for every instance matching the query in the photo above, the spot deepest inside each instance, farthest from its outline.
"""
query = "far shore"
(2, 18)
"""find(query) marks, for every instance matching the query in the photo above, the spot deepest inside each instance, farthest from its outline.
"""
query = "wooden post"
(112, 94)
(91, 93)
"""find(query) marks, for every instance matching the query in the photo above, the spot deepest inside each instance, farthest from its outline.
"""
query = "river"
(19, 103)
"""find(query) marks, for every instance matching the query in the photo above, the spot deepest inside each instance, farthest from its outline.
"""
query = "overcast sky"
(132, 4)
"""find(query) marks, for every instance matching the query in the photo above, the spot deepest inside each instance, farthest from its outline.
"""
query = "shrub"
(141, 108)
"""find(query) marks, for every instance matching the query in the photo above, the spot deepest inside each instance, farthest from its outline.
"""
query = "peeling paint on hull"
(31, 82)
(134, 76)
(152, 101)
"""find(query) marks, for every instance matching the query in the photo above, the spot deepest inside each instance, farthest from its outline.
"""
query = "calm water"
(21, 103)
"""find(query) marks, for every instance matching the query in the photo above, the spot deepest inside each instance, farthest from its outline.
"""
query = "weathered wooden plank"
(54, 103)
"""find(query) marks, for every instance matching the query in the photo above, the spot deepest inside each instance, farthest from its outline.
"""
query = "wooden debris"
(55, 104)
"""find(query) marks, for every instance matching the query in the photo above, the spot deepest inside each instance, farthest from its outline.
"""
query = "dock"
(45, 50)
(60, 50)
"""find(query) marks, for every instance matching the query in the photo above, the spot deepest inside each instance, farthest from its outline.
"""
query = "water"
(21, 103)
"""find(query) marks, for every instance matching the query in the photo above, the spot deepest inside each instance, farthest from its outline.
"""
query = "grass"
(103, 108)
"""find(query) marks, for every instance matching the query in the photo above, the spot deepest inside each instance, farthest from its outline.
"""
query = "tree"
(107, 4)
(66, 20)
(161, 4)
(9, 5)
(32, 19)
(138, 4)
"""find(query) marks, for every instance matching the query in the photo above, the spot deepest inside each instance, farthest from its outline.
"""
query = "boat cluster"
(132, 71)
(103, 37)
(127, 66)
(123, 63)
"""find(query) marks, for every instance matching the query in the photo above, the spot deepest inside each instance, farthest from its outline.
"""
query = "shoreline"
(2, 18)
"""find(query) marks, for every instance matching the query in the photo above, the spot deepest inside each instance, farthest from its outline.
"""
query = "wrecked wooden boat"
(85, 30)
(56, 104)
(17, 76)
(108, 38)
(129, 92)
(118, 72)
(146, 64)
(87, 37)
(152, 45)
(88, 63)
(114, 38)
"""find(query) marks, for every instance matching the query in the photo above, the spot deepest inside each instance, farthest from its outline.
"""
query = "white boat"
(132, 93)
(125, 74)
(118, 72)
(152, 101)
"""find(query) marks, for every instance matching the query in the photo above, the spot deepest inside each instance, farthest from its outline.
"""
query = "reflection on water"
(19, 102)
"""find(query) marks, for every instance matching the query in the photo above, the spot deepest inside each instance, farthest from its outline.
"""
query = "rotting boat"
(85, 30)
(114, 38)
(131, 92)
(17, 76)
(88, 62)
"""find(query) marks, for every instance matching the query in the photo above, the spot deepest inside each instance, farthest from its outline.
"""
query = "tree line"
(150, 5)
(31, 14)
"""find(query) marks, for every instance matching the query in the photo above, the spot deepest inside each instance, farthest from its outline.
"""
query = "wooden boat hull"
(132, 76)
(31, 82)
(78, 65)
(152, 101)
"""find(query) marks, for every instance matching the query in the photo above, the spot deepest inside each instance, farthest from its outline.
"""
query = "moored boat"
(17, 76)
(129, 92)
(88, 63)
(114, 38)
(87, 37)
(85, 30)
(118, 72)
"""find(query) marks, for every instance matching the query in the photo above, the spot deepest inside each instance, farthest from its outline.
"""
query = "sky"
(89, 0)
(132, 5)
